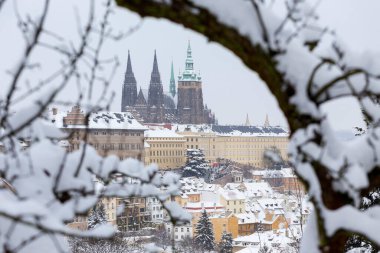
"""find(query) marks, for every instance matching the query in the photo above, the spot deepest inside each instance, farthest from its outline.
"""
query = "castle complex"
(184, 105)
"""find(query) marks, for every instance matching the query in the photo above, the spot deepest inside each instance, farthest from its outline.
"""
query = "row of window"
(240, 202)
(234, 210)
(116, 133)
(166, 145)
(258, 139)
(118, 146)
(166, 153)
(246, 139)
(182, 230)
(166, 160)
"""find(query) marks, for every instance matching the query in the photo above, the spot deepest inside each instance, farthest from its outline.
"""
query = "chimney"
(55, 111)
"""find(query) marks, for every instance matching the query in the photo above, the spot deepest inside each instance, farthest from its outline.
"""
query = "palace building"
(183, 105)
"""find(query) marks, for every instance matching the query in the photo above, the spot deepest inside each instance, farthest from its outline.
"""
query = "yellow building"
(110, 206)
(165, 148)
(227, 222)
(242, 144)
(232, 200)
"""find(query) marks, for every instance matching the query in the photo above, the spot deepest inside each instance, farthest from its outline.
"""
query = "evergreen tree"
(205, 233)
(97, 217)
(225, 245)
(196, 165)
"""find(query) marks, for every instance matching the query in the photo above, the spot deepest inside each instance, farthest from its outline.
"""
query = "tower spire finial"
(247, 123)
(266, 124)
(188, 50)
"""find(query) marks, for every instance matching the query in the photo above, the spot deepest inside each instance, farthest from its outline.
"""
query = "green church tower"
(172, 88)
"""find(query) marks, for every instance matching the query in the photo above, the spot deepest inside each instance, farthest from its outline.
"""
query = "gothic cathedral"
(183, 106)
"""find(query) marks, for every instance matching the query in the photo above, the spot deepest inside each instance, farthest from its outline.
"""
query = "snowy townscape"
(189, 126)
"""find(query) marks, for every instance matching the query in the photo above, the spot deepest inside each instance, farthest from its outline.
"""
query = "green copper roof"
(189, 73)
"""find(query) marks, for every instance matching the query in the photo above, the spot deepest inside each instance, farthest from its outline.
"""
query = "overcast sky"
(229, 88)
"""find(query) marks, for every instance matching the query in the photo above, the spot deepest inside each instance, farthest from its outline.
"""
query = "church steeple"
(129, 91)
(172, 88)
(247, 123)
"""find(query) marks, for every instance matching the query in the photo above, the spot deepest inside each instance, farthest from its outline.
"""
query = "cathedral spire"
(172, 89)
(266, 124)
(129, 64)
(129, 91)
(155, 64)
(155, 101)
(247, 123)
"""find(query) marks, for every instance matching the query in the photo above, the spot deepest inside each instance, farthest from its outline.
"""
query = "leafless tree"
(43, 187)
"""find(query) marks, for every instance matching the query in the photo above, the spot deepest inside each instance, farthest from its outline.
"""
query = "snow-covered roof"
(195, 207)
(247, 218)
(271, 204)
(254, 190)
(231, 194)
(250, 130)
(100, 120)
(225, 130)
(281, 173)
(157, 133)
(278, 237)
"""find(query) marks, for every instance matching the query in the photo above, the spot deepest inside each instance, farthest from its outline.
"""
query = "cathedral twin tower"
(162, 107)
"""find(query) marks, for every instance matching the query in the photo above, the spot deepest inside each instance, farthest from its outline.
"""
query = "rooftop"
(99, 120)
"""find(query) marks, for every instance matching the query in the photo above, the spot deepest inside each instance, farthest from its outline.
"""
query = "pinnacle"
(129, 64)
(155, 64)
